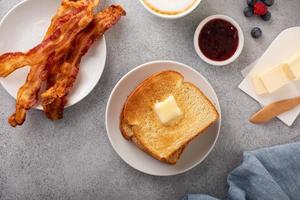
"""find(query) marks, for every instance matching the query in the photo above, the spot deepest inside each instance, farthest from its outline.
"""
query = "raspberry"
(260, 8)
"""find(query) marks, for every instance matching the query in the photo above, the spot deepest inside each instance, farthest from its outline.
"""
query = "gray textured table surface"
(73, 159)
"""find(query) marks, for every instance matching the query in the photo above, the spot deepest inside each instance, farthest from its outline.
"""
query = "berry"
(267, 16)
(268, 2)
(251, 2)
(260, 8)
(248, 11)
(256, 32)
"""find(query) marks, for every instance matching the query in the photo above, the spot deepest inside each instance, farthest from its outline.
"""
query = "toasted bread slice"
(140, 124)
(129, 135)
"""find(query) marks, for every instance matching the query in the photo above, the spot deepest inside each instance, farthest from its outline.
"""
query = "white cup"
(240, 44)
(175, 16)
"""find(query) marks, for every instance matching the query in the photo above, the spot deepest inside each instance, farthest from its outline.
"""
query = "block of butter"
(272, 79)
(294, 66)
(167, 110)
(259, 86)
(275, 78)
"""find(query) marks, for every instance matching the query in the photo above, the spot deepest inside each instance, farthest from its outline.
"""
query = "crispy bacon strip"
(63, 14)
(65, 29)
(55, 98)
(67, 9)
(9, 62)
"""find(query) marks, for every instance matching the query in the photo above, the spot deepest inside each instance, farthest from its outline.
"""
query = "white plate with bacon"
(62, 43)
(24, 27)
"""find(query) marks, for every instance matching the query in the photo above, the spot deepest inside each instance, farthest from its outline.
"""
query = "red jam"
(218, 40)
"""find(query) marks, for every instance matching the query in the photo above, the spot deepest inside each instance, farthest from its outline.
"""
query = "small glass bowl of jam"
(219, 40)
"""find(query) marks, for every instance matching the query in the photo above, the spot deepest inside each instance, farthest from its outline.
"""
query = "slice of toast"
(140, 124)
(129, 135)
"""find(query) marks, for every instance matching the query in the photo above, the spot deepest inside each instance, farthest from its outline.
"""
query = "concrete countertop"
(73, 159)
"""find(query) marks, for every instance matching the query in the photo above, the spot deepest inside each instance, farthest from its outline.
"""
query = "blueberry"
(248, 11)
(251, 2)
(256, 32)
(267, 16)
(268, 2)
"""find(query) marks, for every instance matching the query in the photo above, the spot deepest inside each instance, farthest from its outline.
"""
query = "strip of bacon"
(9, 62)
(41, 57)
(64, 14)
(55, 98)
(67, 9)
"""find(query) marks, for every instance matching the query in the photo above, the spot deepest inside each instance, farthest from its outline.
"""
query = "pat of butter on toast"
(167, 110)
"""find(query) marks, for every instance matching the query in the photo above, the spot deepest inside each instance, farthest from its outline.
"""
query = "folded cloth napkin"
(265, 174)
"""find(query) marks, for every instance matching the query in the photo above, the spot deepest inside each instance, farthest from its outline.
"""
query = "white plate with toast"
(198, 149)
(24, 27)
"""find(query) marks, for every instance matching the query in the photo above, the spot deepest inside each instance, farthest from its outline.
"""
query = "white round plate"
(24, 27)
(196, 151)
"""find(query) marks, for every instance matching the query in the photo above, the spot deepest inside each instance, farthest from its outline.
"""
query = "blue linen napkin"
(266, 174)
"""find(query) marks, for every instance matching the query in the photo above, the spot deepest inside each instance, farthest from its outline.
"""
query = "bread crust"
(125, 127)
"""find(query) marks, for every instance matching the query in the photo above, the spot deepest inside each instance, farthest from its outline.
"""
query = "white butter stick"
(259, 86)
(294, 66)
(277, 77)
